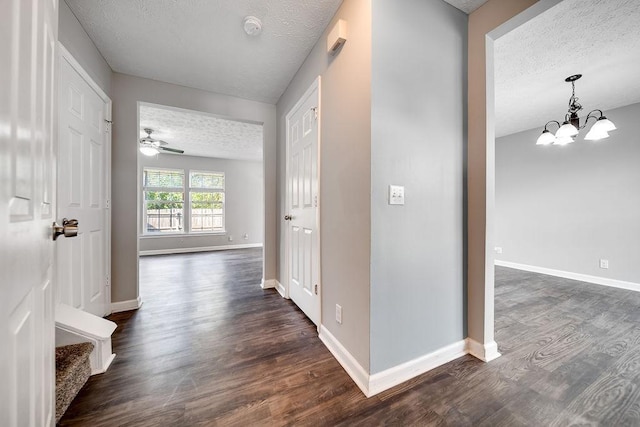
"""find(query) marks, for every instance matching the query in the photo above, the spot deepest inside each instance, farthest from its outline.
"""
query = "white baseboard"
(574, 276)
(198, 249)
(377, 383)
(133, 304)
(398, 374)
(358, 374)
(485, 352)
(268, 284)
(281, 290)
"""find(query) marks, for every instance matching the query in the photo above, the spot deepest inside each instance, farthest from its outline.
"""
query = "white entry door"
(82, 262)
(28, 33)
(301, 216)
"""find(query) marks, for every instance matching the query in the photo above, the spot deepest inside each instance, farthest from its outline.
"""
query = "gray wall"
(565, 208)
(345, 184)
(244, 202)
(75, 39)
(127, 91)
(418, 136)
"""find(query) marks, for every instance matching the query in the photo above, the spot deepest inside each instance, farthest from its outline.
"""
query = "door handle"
(288, 217)
(69, 228)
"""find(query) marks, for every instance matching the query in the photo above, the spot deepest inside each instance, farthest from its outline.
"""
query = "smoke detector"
(252, 26)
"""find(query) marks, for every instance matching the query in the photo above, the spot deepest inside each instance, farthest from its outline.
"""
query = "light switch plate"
(396, 195)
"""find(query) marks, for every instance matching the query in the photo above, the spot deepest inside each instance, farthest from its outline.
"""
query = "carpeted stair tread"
(73, 369)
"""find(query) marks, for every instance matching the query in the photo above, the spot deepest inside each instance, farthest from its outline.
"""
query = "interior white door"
(302, 203)
(81, 193)
(28, 33)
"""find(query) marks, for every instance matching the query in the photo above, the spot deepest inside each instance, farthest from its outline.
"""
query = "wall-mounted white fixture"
(571, 125)
(337, 37)
(396, 195)
(252, 26)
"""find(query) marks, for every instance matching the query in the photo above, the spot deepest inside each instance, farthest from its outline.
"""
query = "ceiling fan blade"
(173, 150)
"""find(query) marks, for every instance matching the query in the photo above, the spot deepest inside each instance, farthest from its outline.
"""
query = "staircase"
(73, 369)
(75, 326)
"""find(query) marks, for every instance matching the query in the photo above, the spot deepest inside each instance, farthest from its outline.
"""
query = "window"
(167, 211)
(163, 200)
(206, 197)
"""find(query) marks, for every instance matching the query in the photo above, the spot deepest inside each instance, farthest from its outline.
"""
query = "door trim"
(64, 54)
(315, 85)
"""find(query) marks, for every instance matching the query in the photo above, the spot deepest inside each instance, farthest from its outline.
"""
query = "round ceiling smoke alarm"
(252, 26)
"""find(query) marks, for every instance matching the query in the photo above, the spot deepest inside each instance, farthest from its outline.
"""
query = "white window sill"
(187, 235)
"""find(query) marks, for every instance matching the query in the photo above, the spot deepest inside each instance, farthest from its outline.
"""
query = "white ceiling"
(202, 44)
(599, 39)
(466, 6)
(201, 134)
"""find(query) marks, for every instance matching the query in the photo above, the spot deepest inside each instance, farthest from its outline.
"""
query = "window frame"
(191, 189)
(186, 191)
(145, 202)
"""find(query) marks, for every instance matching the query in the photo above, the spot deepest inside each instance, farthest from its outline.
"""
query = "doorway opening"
(550, 238)
(201, 191)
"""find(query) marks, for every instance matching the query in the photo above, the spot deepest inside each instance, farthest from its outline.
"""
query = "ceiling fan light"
(563, 140)
(566, 130)
(596, 134)
(148, 151)
(546, 138)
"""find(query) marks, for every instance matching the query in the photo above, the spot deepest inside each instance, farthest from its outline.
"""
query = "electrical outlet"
(604, 263)
(339, 313)
(498, 249)
(231, 238)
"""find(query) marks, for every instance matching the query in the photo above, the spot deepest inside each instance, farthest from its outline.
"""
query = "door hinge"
(315, 288)
(107, 204)
(108, 281)
(315, 112)
(108, 126)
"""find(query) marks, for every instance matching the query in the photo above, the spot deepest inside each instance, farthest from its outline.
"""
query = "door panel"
(82, 187)
(302, 186)
(28, 32)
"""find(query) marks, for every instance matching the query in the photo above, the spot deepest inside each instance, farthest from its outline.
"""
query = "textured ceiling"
(466, 6)
(201, 134)
(202, 44)
(599, 39)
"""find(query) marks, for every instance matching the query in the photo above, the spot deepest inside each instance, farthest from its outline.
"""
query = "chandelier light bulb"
(596, 135)
(567, 129)
(563, 140)
(603, 125)
(546, 138)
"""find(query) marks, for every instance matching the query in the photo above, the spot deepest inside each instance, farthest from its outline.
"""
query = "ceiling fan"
(151, 146)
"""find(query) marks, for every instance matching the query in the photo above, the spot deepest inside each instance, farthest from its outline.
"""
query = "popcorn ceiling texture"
(599, 39)
(467, 6)
(201, 134)
(202, 44)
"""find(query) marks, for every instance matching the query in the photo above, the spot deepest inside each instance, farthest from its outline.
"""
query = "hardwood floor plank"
(210, 348)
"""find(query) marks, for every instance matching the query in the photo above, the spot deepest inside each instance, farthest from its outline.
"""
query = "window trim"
(186, 191)
(208, 190)
(145, 232)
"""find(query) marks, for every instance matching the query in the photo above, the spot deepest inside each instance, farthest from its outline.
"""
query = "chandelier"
(571, 125)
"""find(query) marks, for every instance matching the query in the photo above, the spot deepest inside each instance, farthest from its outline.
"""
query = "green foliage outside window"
(163, 200)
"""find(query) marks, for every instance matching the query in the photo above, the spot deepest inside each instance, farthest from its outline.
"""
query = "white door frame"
(487, 348)
(284, 288)
(65, 55)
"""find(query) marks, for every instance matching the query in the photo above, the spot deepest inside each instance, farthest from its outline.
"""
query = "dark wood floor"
(209, 347)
